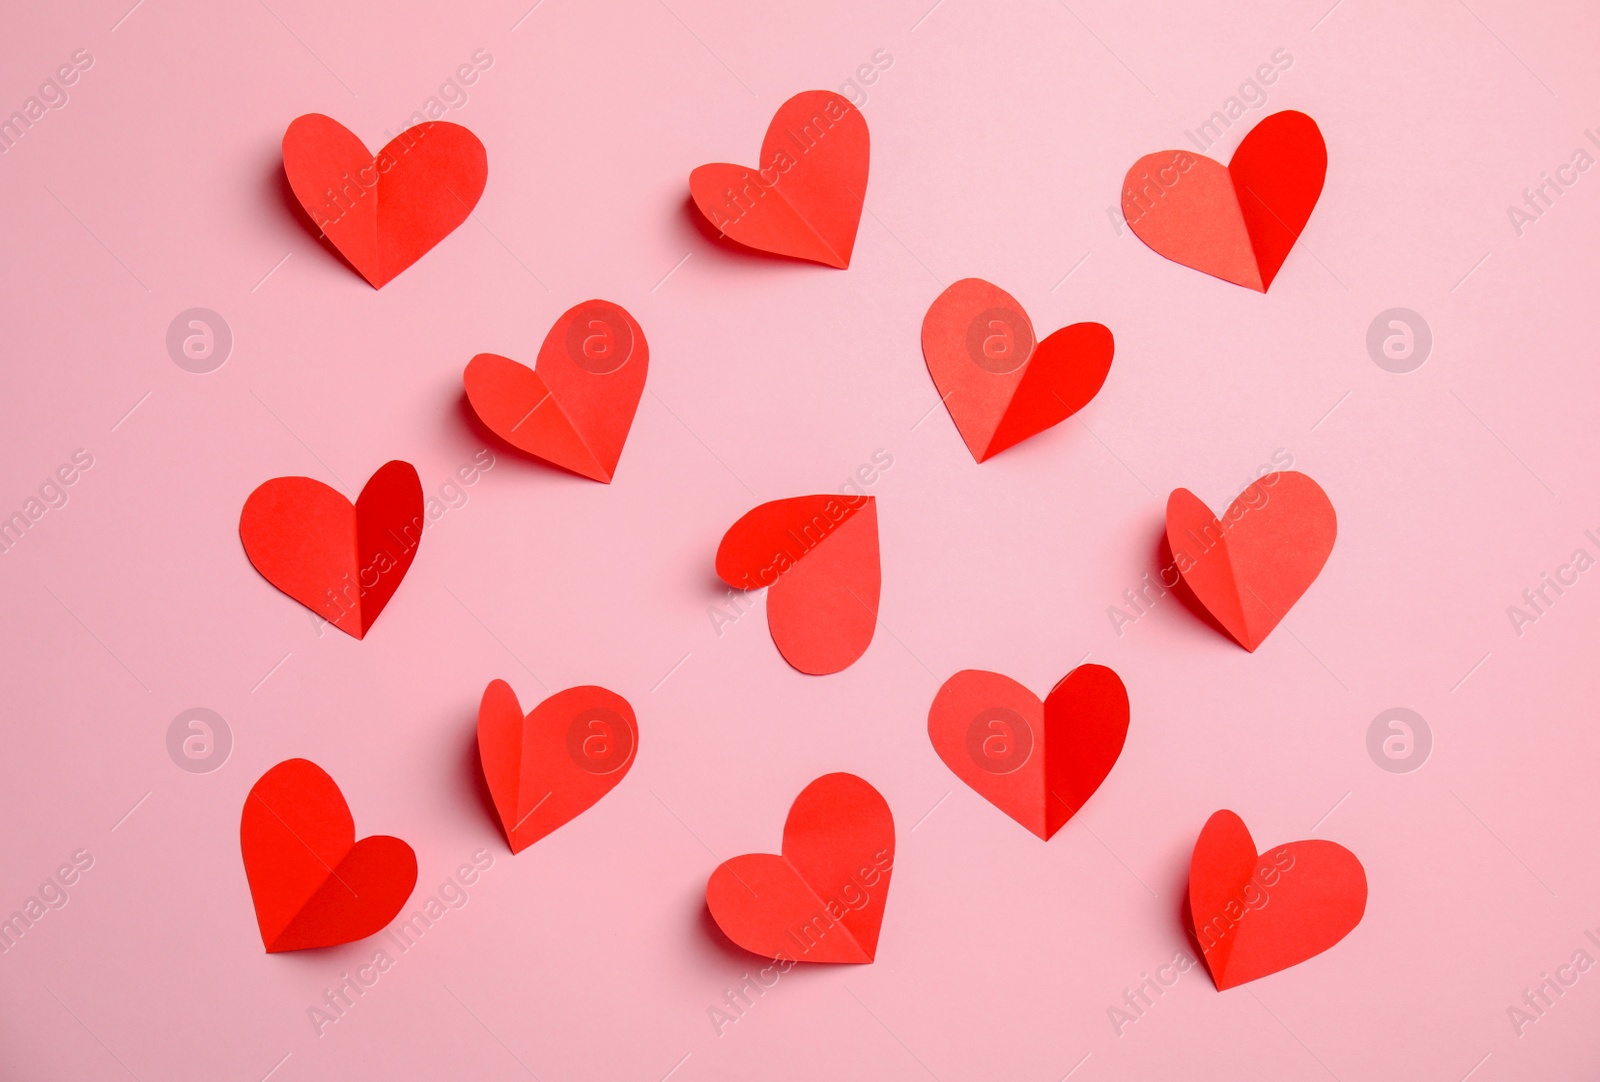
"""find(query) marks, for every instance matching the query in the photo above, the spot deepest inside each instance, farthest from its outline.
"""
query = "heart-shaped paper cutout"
(313, 884)
(1250, 567)
(546, 769)
(1235, 221)
(804, 198)
(385, 211)
(342, 562)
(999, 387)
(822, 899)
(575, 408)
(1037, 762)
(819, 555)
(1254, 914)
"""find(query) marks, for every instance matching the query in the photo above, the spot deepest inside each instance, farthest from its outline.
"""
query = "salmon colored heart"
(819, 555)
(999, 386)
(822, 899)
(384, 212)
(575, 408)
(1037, 762)
(342, 562)
(546, 769)
(1235, 221)
(1254, 914)
(804, 198)
(1250, 567)
(313, 884)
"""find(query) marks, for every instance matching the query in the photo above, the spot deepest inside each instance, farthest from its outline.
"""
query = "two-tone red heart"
(1036, 761)
(547, 768)
(1000, 385)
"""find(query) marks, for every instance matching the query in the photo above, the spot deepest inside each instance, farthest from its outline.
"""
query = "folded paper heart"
(998, 384)
(546, 769)
(1255, 914)
(804, 198)
(1235, 221)
(821, 900)
(575, 408)
(384, 212)
(819, 555)
(1037, 762)
(1249, 567)
(341, 561)
(313, 884)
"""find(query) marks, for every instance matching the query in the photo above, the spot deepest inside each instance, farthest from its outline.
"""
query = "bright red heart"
(1235, 221)
(1037, 762)
(819, 555)
(822, 900)
(384, 212)
(590, 374)
(313, 884)
(342, 562)
(804, 200)
(548, 768)
(998, 386)
(1252, 914)
(1248, 569)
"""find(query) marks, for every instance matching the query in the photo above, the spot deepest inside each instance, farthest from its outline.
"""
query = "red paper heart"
(822, 900)
(576, 407)
(384, 212)
(313, 884)
(1256, 914)
(548, 768)
(999, 387)
(1249, 570)
(1037, 762)
(804, 199)
(1238, 221)
(342, 562)
(820, 556)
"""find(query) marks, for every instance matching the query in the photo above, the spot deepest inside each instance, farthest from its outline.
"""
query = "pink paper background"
(1000, 136)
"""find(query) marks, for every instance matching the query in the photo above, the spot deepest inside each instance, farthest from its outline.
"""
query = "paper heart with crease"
(822, 899)
(819, 555)
(998, 384)
(1235, 221)
(384, 211)
(547, 768)
(313, 884)
(1255, 914)
(575, 407)
(804, 198)
(1037, 762)
(1248, 568)
(314, 545)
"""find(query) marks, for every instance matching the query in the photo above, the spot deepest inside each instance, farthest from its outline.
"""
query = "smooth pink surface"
(1000, 137)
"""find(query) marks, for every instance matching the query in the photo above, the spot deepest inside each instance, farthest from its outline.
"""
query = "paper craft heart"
(313, 884)
(819, 555)
(1248, 569)
(804, 199)
(342, 562)
(822, 900)
(384, 212)
(1256, 914)
(1037, 762)
(575, 408)
(999, 387)
(1235, 221)
(546, 769)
